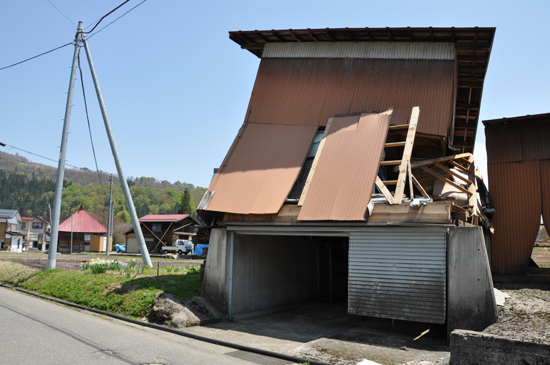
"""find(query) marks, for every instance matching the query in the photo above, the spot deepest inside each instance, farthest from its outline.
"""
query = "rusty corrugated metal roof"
(473, 49)
(310, 91)
(342, 184)
(260, 168)
(82, 222)
(516, 191)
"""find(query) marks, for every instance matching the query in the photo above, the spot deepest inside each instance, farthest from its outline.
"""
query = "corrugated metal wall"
(398, 272)
(518, 156)
(310, 91)
(370, 50)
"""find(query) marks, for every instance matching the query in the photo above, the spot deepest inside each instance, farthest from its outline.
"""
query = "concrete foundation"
(471, 300)
(214, 285)
(472, 348)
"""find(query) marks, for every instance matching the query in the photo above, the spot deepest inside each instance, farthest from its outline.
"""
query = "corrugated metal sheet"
(545, 187)
(342, 183)
(367, 50)
(82, 222)
(398, 272)
(516, 191)
(517, 154)
(260, 168)
(310, 91)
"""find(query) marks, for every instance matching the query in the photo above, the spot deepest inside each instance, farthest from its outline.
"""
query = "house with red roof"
(161, 230)
(76, 231)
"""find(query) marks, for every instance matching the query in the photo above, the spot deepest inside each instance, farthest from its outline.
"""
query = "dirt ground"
(541, 255)
(525, 315)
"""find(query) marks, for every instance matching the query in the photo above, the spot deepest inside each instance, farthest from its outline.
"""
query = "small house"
(11, 237)
(76, 231)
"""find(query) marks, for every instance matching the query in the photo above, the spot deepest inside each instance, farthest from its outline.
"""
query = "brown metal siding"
(516, 192)
(343, 180)
(503, 144)
(545, 187)
(260, 168)
(535, 140)
(310, 91)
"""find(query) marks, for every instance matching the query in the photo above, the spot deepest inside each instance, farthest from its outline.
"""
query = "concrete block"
(473, 348)
(471, 302)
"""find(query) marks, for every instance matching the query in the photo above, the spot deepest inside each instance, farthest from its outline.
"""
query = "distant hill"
(29, 186)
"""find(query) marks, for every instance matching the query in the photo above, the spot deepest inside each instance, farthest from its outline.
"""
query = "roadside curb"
(176, 332)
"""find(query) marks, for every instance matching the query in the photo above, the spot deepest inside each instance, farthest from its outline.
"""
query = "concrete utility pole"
(62, 154)
(121, 176)
(109, 218)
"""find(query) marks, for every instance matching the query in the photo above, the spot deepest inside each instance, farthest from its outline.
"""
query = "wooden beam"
(409, 172)
(439, 159)
(448, 181)
(314, 164)
(407, 151)
(398, 126)
(437, 212)
(384, 189)
(289, 210)
(456, 174)
(390, 163)
(420, 188)
(395, 144)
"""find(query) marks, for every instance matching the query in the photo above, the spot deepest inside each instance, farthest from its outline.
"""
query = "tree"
(185, 203)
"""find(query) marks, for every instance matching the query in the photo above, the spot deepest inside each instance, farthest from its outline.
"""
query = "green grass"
(111, 291)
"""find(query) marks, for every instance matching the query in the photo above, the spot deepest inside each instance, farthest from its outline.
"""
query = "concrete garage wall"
(214, 285)
(472, 348)
(471, 299)
(273, 271)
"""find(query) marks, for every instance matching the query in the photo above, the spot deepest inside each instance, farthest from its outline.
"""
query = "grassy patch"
(112, 291)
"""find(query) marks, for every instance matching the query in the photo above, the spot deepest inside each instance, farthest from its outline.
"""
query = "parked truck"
(181, 247)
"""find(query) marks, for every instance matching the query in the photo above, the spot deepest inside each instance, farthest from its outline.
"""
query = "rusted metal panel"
(367, 50)
(503, 143)
(516, 191)
(342, 183)
(260, 168)
(535, 140)
(310, 91)
(398, 272)
(545, 187)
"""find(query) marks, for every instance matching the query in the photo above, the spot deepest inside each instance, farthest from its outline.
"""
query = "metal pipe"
(121, 176)
(62, 154)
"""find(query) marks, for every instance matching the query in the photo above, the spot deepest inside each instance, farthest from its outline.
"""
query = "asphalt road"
(35, 331)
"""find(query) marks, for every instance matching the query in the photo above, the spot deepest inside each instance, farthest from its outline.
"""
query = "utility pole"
(72, 233)
(110, 213)
(62, 154)
(121, 176)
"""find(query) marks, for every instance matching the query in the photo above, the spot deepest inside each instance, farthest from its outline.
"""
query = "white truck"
(181, 247)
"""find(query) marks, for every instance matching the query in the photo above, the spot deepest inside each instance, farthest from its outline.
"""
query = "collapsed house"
(518, 157)
(352, 177)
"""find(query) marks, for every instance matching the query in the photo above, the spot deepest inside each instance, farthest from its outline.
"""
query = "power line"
(56, 8)
(44, 157)
(114, 20)
(106, 15)
(32, 58)
(88, 118)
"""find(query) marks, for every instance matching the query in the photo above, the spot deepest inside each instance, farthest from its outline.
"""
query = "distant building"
(11, 237)
(75, 232)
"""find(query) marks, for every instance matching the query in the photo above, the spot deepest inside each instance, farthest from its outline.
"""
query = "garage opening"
(275, 272)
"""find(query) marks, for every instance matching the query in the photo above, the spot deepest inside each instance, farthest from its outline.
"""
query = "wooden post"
(407, 152)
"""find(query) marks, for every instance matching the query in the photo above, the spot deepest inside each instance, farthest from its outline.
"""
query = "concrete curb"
(471, 348)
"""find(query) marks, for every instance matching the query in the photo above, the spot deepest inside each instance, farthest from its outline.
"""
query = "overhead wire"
(41, 54)
(35, 154)
(106, 15)
(114, 20)
(88, 119)
(56, 8)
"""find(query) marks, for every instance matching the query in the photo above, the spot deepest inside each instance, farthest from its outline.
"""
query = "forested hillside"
(29, 187)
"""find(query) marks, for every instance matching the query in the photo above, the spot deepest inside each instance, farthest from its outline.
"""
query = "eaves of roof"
(523, 119)
(473, 49)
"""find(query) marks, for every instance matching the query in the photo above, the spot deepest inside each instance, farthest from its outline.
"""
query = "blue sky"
(176, 88)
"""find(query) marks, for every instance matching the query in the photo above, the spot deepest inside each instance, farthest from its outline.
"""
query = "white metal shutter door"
(398, 272)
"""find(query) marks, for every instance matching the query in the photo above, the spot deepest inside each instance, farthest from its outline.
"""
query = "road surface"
(35, 331)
